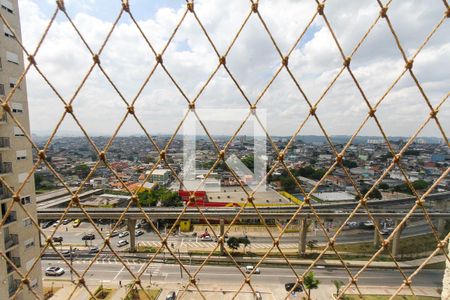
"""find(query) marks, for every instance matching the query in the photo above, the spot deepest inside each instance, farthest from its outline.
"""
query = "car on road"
(171, 296)
(66, 221)
(249, 269)
(112, 234)
(258, 296)
(47, 224)
(293, 287)
(66, 253)
(56, 223)
(54, 271)
(122, 243)
(386, 231)
(124, 234)
(88, 237)
(76, 223)
(138, 225)
(139, 232)
(93, 249)
(206, 238)
(57, 239)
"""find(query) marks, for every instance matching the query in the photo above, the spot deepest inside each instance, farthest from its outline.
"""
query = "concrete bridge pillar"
(131, 223)
(376, 237)
(222, 231)
(442, 206)
(304, 224)
(396, 239)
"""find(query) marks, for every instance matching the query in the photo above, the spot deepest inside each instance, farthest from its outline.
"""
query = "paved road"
(72, 236)
(113, 271)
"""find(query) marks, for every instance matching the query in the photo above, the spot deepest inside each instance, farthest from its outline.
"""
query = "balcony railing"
(11, 240)
(10, 267)
(5, 168)
(13, 286)
(12, 217)
(4, 142)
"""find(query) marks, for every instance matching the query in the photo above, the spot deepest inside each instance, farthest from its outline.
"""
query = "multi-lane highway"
(112, 270)
(73, 236)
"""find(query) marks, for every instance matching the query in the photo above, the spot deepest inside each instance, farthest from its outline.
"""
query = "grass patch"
(384, 297)
(103, 293)
(145, 249)
(139, 294)
(50, 291)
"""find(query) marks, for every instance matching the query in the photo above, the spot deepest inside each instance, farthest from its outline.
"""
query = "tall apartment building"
(19, 239)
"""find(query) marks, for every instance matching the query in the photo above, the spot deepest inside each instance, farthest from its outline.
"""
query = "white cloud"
(253, 60)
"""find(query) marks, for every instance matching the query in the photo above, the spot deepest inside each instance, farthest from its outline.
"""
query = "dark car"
(47, 224)
(290, 287)
(171, 296)
(57, 239)
(88, 237)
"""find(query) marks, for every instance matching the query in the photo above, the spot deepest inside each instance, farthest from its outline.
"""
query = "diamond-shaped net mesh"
(313, 115)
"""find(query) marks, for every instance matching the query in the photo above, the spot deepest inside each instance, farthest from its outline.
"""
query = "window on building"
(17, 107)
(2, 89)
(25, 200)
(12, 82)
(29, 243)
(27, 222)
(18, 131)
(7, 32)
(22, 177)
(21, 154)
(7, 5)
(12, 57)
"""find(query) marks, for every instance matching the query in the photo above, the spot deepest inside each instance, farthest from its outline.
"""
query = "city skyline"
(64, 60)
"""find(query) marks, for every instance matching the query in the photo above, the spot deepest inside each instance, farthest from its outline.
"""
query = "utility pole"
(181, 269)
(71, 263)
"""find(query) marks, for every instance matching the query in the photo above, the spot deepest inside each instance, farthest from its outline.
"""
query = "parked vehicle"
(54, 271)
(124, 234)
(122, 243)
(66, 221)
(112, 234)
(76, 223)
(57, 239)
(206, 238)
(139, 232)
(386, 231)
(56, 223)
(294, 287)
(249, 269)
(88, 237)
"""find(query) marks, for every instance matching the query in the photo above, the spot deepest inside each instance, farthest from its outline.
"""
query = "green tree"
(349, 164)
(375, 194)
(233, 243)
(244, 241)
(311, 283)
(311, 244)
(338, 284)
(82, 170)
(420, 184)
(383, 186)
(248, 161)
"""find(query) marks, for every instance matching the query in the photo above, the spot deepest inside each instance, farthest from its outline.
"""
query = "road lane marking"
(117, 275)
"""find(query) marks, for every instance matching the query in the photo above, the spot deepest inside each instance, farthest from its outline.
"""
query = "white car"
(138, 232)
(124, 234)
(122, 243)
(206, 238)
(54, 271)
(249, 269)
(56, 223)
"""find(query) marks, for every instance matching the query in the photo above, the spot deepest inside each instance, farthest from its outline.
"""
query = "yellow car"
(76, 223)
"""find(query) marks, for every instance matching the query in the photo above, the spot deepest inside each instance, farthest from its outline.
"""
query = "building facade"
(19, 238)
